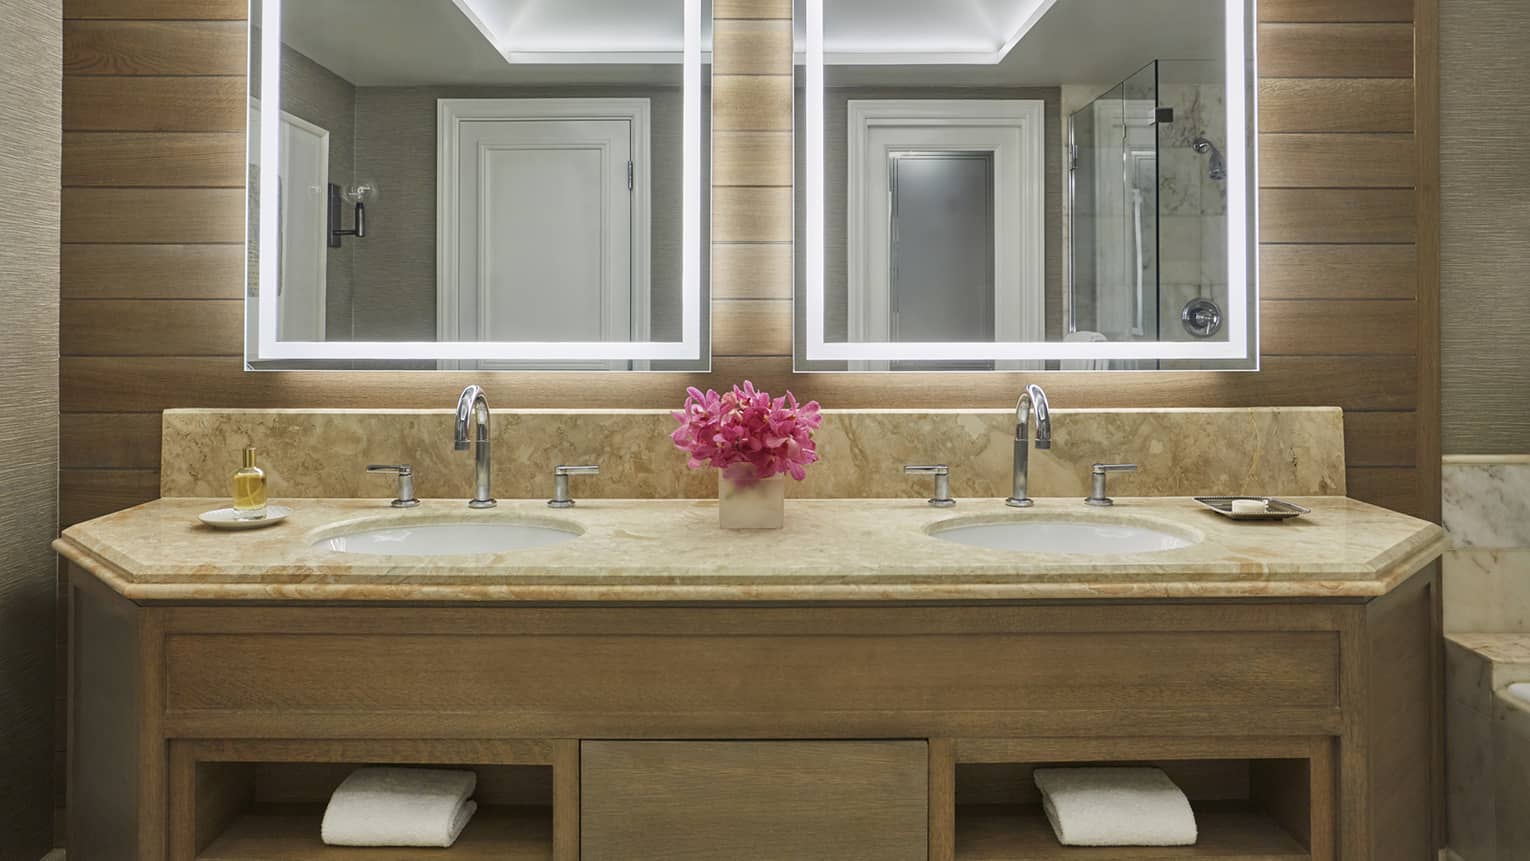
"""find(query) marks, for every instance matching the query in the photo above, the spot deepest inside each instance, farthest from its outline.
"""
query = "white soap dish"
(1274, 509)
(223, 518)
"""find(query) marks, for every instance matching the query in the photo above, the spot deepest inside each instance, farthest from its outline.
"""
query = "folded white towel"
(1083, 337)
(1115, 807)
(400, 807)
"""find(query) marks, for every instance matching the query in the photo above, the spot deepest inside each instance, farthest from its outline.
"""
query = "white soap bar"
(1249, 506)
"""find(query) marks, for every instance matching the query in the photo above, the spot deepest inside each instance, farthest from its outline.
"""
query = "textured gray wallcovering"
(31, 63)
(1485, 225)
(314, 93)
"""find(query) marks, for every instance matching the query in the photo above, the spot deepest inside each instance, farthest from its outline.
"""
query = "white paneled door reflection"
(545, 232)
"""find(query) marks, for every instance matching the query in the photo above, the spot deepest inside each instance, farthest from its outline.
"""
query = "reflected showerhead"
(1218, 168)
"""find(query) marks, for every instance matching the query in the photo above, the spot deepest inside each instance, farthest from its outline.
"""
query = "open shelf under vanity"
(265, 801)
(1229, 831)
(291, 833)
(1254, 799)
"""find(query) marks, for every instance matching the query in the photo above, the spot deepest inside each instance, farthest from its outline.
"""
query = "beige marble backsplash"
(312, 453)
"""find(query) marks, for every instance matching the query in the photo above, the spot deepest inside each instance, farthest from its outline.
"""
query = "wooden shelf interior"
(1246, 810)
(1227, 832)
(287, 833)
(271, 811)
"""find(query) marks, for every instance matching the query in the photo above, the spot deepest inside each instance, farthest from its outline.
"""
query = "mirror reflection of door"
(302, 184)
(942, 235)
(545, 238)
(1115, 229)
(947, 225)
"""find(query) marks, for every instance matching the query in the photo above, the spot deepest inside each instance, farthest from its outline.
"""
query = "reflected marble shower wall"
(1192, 206)
(1487, 571)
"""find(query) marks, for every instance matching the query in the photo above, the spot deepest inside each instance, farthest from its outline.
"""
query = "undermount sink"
(1066, 536)
(448, 539)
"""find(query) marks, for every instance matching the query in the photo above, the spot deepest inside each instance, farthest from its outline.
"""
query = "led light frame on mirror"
(1242, 342)
(688, 349)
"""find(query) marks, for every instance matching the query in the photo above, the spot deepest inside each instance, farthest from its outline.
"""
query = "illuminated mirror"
(478, 184)
(1026, 185)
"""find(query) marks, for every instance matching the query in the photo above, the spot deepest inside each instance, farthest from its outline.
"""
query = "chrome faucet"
(474, 406)
(1032, 398)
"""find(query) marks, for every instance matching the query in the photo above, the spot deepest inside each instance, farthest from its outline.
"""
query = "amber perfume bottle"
(249, 490)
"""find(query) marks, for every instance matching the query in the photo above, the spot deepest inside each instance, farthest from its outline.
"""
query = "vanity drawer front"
(657, 672)
(760, 800)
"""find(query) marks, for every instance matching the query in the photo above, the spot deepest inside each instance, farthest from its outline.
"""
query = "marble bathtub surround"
(1487, 746)
(1487, 570)
(1487, 500)
(323, 454)
(830, 550)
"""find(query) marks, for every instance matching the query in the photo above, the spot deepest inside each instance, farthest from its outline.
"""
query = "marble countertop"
(673, 550)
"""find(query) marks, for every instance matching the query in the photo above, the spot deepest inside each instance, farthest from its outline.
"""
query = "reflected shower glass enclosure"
(1148, 209)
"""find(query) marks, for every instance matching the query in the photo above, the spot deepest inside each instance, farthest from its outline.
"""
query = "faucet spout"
(473, 406)
(1033, 399)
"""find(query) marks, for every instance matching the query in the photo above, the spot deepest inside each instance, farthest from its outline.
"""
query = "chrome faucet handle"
(561, 499)
(942, 473)
(1097, 475)
(405, 474)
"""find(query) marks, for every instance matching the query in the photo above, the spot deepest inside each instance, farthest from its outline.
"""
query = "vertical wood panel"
(168, 104)
(780, 9)
(149, 10)
(1338, 272)
(154, 47)
(1336, 50)
(1344, 161)
(1335, 105)
(153, 271)
(751, 215)
(153, 215)
(751, 327)
(125, 160)
(1337, 215)
(752, 158)
(752, 271)
(1328, 11)
(752, 174)
(750, 47)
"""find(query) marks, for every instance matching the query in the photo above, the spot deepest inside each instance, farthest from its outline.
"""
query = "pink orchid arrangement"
(747, 426)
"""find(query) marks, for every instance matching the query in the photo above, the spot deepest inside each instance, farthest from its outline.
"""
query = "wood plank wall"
(153, 218)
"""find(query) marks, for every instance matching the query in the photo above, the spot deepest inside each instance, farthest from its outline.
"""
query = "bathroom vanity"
(852, 687)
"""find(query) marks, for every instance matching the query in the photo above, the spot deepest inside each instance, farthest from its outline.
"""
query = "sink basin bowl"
(447, 539)
(1076, 537)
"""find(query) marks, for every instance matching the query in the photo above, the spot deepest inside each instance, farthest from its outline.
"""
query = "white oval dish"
(223, 518)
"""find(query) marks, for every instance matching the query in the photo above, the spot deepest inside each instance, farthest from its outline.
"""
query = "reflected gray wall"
(836, 180)
(30, 119)
(313, 93)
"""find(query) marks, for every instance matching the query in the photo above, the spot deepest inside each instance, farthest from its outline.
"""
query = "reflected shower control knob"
(1201, 317)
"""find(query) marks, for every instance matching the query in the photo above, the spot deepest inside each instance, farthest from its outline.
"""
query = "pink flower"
(748, 427)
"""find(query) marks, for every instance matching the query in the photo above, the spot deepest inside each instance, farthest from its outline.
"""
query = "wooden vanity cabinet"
(786, 726)
(770, 801)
